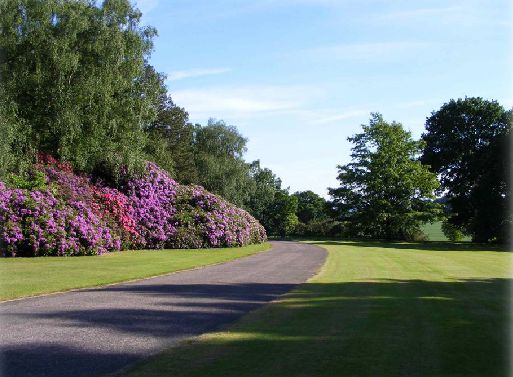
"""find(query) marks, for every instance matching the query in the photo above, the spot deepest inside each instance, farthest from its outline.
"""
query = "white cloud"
(196, 72)
(340, 116)
(237, 102)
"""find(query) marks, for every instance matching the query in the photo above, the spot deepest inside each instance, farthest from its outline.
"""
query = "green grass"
(22, 277)
(375, 309)
(434, 232)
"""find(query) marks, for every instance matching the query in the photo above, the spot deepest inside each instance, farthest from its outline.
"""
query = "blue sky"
(297, 77)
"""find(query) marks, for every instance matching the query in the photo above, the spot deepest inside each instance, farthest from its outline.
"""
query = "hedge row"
(57, 212)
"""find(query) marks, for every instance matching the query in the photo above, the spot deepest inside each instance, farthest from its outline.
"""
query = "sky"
(298, 77)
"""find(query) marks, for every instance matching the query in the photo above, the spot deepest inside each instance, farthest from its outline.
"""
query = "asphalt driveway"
(96, 331)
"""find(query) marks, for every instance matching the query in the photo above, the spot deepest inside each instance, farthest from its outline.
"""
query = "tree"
(78, 76)
(467, 143)
(219, 151)
(16, 155)
(266, 184)
(310, 206)
(385, 192)
(314, 215)
(172, 127)
(280, 217)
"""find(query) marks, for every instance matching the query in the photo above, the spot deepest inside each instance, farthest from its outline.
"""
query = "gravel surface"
(96, 331)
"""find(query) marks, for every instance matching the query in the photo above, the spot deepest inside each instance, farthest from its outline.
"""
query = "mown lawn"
(434, 232)
(22, 277)
(376, 309)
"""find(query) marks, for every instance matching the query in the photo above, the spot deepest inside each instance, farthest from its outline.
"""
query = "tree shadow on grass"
(428, 245)
(367, 328)
(378, 328)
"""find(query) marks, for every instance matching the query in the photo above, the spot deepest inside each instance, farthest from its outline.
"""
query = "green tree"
(310, 206)
(172, 127)
(219, 151)
(266, 185)
(16, 155)
(77, 75)
(385, 192)
(280, 217)
(314, 214)
(467, 143)
(451, 232)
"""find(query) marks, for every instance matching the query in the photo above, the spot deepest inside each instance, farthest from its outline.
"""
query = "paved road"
(96, 331)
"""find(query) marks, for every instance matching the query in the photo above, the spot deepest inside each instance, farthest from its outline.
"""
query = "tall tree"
(280, 217)
(467, 143)
(172, 127)
(219, 151)
(266, 184)
(78, 76)
(385, 192)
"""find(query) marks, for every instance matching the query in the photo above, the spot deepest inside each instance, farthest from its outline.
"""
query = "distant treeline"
(76, 84)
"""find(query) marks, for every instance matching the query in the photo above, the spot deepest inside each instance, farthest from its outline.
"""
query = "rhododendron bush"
(56, 212)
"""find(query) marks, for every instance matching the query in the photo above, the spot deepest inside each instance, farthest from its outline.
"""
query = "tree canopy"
(280, 217)
(385, 192)
(78, 78)
(466, 144)
(219, 151)
(266, 185)
(310, 206)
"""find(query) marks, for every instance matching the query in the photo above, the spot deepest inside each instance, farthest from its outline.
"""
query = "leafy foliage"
(16, 154)
(311, 207)
(266, 185)
(178, 135)
(280, 217)
(467, 143)
(76, 75)
(219, 151)
(452, 232)
(385, 192)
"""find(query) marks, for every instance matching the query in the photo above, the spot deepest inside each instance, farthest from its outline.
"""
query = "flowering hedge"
(207, 220)
(56, 212)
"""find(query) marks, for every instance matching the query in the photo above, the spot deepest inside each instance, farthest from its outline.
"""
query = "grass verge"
(375, 309)
(23, 277)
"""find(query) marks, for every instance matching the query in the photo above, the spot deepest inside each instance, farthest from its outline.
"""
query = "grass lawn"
(434, 232)
(21, 277)
(376, 309)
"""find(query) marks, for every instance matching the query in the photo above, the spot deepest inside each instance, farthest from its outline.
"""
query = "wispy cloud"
(239, 102)
(340, 116)
(195, 72)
